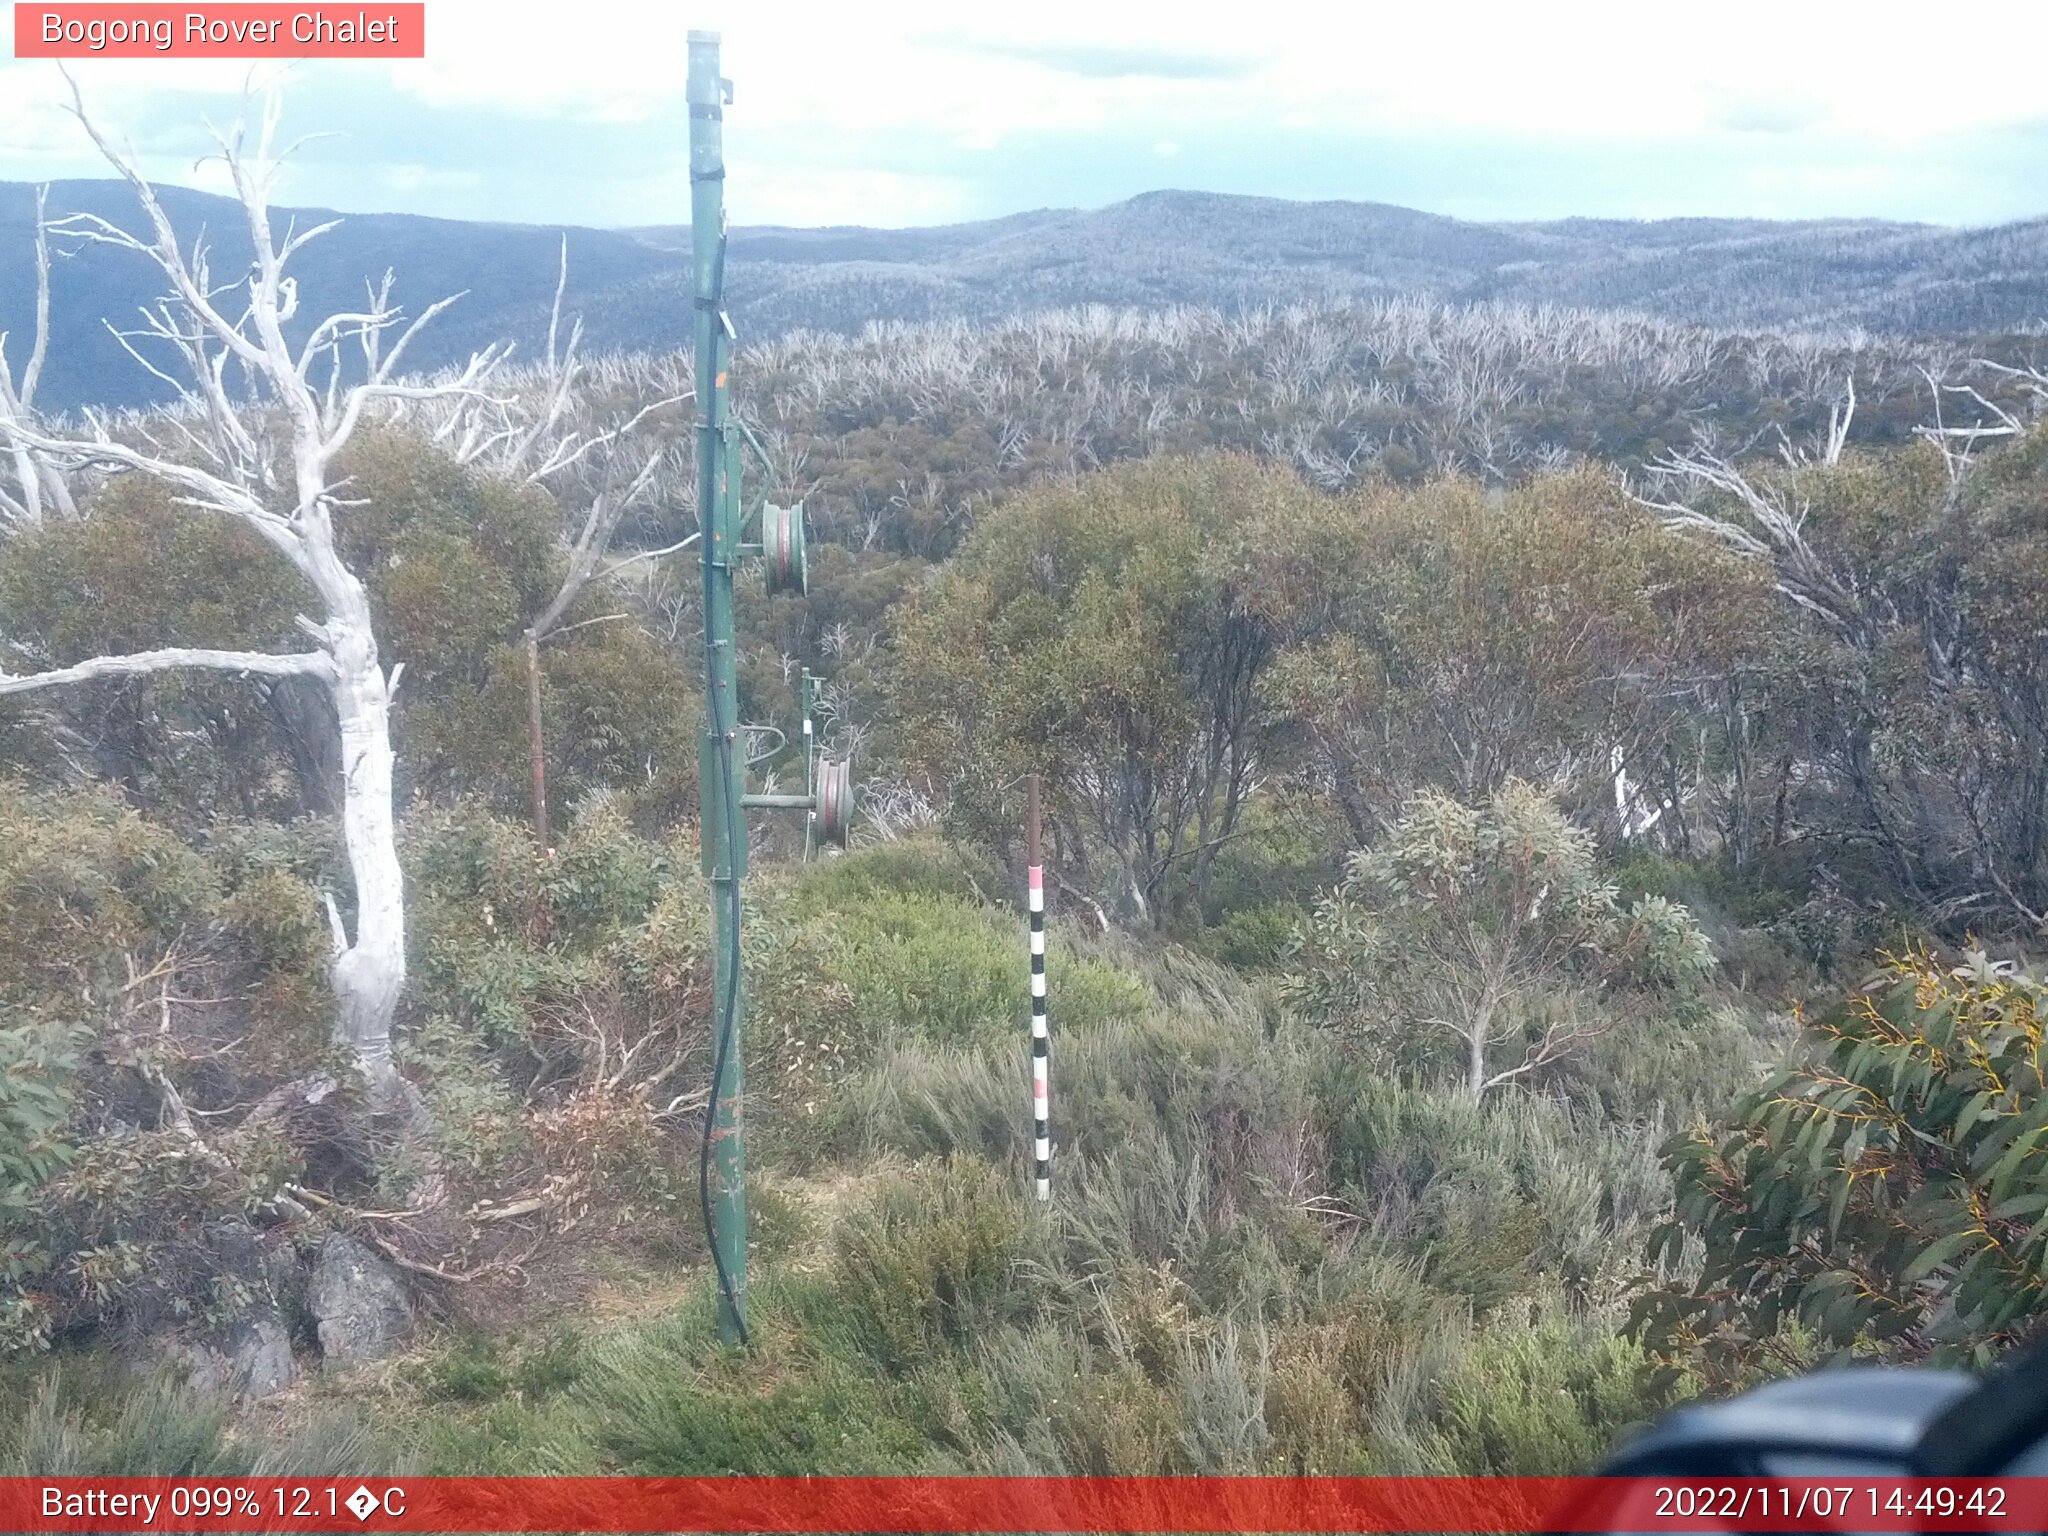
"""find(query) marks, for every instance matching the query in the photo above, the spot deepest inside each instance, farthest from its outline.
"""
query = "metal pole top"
(706, 92)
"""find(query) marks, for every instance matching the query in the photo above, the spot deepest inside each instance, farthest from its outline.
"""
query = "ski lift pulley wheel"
(782, 542)
(835, 800)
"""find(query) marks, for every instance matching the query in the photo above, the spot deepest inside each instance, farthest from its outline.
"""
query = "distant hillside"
(1190, 247)
(1161, 249)
(508, 271)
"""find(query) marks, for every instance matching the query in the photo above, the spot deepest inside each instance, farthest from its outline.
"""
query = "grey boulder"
(359, 1304)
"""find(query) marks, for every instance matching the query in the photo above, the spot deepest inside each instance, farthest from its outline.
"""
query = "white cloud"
(415, 178)
(187, 99)
(615, 59)
(853, 104)
(765, 194)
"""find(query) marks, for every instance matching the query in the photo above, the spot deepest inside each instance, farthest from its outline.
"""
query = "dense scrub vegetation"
(1466, 890)
(1265, 1254)
(904, 430)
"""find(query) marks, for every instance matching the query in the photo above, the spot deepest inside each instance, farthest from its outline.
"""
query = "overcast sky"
(901, 112)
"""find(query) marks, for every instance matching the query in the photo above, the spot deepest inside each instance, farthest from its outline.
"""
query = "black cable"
(728, 1007)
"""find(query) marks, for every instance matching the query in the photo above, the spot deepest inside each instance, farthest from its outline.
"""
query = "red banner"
(1020, 1504)
(214, 31)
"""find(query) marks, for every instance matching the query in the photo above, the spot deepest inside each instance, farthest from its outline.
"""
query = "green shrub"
(919, 1100)
(38, 1065)
(131, 963)
(1888, 1190)
(1062, 1406)
(1494, 1201)
(1311, 1417)
(85, 1423)
(134, 574)
(931, 1260)
(1254, 938)
(82, 1416)
(1286, 851)
(556, 971)
(1548, 1399)
(88, 885)
(1668, 1065)
(913, 866)
(937, 968)
(815, 1427)
(1474, 940)
(479, 1368)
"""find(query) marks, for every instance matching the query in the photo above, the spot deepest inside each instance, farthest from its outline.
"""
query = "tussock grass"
(86, 1416)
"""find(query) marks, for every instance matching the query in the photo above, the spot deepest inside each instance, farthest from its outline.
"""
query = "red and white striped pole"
(1041, 1041)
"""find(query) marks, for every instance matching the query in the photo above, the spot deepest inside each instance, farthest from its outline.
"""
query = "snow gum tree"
(1471, 925)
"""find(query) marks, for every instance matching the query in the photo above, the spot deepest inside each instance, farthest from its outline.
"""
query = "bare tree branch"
(250, 663)
(645, 554)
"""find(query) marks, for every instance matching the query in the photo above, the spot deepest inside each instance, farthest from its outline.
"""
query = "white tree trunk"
(369, 973)
(1476, 1039)
(28, 478)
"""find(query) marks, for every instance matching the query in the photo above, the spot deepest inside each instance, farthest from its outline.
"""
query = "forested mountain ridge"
(1189, 247)
(1157, 250)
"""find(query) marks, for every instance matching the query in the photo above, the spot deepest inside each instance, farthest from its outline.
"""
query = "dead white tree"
(1918, 789)
(254, 437)
(1759, 517)
(36, 486)
(1958, 442)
